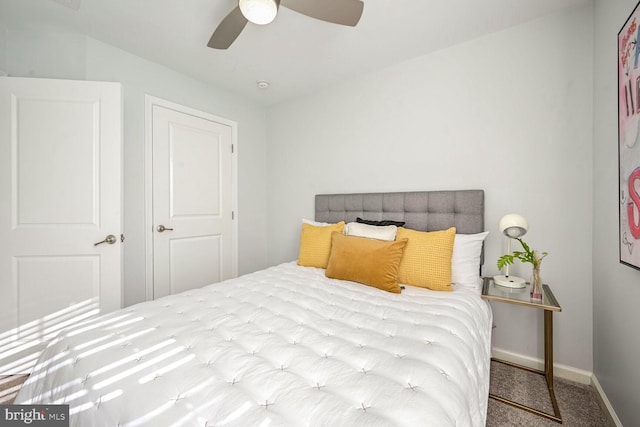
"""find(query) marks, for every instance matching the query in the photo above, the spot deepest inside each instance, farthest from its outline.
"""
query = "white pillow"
(465, 261)
(315, 223)
(385, 232)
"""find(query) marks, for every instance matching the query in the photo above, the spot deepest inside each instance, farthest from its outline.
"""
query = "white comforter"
(281, 347)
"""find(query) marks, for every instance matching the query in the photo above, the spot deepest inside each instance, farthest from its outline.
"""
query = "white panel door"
(193, 232)
(60, 186)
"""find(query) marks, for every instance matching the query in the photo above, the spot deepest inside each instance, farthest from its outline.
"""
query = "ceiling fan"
(261, 12)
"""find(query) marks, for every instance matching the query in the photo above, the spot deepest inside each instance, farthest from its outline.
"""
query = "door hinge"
(233, 215)
(232, 148)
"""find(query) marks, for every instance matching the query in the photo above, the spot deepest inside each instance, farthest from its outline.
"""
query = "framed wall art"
(629, 139)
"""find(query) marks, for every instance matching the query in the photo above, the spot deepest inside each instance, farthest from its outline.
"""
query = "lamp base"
(509, 281)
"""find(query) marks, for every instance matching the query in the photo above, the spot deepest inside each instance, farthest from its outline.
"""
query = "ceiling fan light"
(259, 12)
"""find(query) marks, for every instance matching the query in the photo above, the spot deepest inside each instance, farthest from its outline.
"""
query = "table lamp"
(512, 226)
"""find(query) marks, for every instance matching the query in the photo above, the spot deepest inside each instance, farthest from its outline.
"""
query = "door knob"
(110, 239)
(162, 228)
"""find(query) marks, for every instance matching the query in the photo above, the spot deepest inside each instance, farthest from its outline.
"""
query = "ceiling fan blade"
(344, 12)
(228, 30)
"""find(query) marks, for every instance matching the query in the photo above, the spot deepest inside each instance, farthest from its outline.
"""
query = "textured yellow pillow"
(368, 261)
(427, 258)
(315, 244)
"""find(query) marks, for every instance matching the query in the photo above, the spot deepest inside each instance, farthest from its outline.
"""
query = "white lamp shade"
(259, 12)
(513, 225)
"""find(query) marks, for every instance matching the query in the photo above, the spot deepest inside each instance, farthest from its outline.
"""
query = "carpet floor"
(9, 386)
(578, 403)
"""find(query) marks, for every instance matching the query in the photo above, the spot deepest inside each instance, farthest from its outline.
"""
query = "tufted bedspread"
(281, 347)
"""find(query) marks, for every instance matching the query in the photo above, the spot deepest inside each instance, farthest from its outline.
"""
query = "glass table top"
(493, 292)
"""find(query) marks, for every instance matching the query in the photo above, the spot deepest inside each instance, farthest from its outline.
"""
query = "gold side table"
(493, 292)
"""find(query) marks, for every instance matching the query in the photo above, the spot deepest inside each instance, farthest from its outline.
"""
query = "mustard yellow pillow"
(427, 258)
(368, 261)
(315, 244)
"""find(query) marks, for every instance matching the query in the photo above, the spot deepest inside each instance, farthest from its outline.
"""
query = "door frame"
(149, 102)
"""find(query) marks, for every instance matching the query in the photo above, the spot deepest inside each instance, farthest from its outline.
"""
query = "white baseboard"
(605, 401)
(562, 371)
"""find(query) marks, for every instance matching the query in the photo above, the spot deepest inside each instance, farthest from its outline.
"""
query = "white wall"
(616, 288)
(30, 52)
(39, 53)
(510, 113)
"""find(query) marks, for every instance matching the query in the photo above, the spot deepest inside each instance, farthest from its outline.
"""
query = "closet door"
(60, 193)
(193, 192)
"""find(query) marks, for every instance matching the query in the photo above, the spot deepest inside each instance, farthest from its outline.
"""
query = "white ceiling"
(296, 54)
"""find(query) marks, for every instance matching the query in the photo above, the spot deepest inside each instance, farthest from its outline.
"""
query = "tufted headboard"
(421, 210)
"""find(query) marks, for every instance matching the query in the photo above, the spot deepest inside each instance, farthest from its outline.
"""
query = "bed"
(288, 346)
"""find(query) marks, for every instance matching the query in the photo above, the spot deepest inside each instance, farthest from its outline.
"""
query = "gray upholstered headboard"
(421, 210)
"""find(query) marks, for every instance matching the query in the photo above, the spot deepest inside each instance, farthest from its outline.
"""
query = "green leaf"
(504, 260)
(527, 256)
(524, 245)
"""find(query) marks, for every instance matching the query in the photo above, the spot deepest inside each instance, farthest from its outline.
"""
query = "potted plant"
(531, 256)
